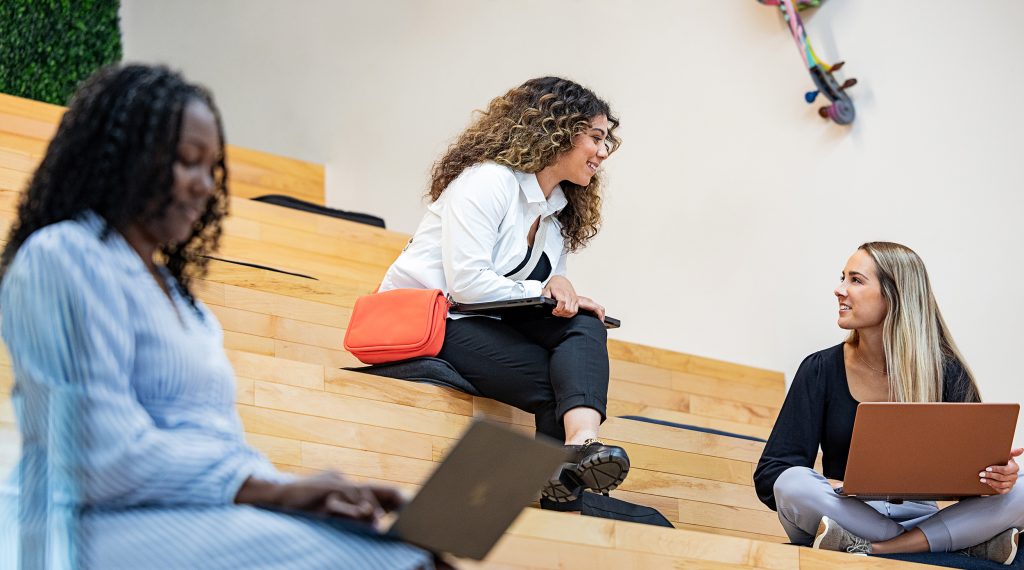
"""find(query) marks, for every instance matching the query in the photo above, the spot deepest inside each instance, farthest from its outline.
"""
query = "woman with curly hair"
(515, 193)
(133, 452)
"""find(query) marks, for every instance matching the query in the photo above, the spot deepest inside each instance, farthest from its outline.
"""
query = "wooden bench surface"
(283, 336)
(543, 539)
(630, 391)
(27, 126)
(305, 416)
(259, 315)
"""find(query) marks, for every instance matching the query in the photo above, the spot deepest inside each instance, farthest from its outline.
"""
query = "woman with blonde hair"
(514, 194)
(899, 350)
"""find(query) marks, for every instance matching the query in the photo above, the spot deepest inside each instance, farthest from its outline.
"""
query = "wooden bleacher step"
(306, 415)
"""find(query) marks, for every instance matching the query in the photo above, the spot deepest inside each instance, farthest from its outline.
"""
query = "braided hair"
(114, 154)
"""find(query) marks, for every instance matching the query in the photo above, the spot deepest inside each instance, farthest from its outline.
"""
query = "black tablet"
(531, 307)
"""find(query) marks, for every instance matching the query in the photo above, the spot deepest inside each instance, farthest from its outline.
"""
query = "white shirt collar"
(531, 189)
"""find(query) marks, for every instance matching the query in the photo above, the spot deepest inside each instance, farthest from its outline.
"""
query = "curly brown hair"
(527, 129)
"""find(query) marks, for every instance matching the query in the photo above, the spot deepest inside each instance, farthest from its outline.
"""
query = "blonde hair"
(916, 339)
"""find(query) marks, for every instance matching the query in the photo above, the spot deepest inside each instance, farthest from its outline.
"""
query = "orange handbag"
(397, 325)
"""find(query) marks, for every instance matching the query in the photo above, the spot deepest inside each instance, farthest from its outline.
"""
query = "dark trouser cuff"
(581, 400)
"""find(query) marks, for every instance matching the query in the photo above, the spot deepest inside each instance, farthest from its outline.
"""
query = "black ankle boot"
(594, 466)
(599, 467)
(564, 487)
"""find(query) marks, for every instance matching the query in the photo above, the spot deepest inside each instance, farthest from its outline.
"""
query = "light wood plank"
(245, 390)
(768, 396)
(249, 343)
(279, 328)
(341, 230)
(689, 464)
(733, 411)
(18, 160)
(277, 449)
(338, 433)
(814, 559)
(546, 525)
(28, 126)
(528, 552)
(255, 171)
(325, 357)
(616, 408)
(284, 306)
(692, 489)
(648, 395)
(502, 412)
(681, 440)
(405, 393)
(357, 410)
(694, 364)
(279, 370)
(735, 518)
(299, 261)
(13, 181)
(339, 294)
(366, 463)
(22, 107)
(731, 532)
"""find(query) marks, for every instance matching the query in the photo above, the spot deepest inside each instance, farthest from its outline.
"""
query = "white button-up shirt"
(475, 234)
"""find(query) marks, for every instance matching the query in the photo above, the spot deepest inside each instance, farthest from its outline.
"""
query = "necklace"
(872, 368)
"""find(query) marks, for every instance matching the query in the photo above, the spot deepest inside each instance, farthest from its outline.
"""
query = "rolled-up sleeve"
(475, 205)
(72, 345)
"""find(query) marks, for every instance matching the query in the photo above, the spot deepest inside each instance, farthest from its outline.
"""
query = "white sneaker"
(1001, 548)
(831, 536)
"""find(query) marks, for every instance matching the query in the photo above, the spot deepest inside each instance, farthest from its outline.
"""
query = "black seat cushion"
(426, 369)
(692, 427)
(296, 204)
(601, 506)
(954, 560)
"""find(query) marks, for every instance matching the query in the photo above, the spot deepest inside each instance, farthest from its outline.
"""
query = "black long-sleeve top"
(819, 411)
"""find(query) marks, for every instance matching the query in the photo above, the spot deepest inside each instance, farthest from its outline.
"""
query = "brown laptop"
(926, 451)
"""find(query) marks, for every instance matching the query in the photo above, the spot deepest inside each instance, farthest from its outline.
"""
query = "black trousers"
(544, 366)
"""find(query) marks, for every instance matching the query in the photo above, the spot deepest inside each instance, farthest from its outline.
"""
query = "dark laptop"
(926, 451)
(529, 308)
(472, 497)
(483, 484)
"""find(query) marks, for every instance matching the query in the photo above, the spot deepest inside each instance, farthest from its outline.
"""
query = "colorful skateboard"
(840, 108)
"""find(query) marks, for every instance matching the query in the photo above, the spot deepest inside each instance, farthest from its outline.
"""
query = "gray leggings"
(803, 496)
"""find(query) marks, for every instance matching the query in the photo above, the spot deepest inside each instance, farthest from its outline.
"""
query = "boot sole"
(604, 471)
(565, 488)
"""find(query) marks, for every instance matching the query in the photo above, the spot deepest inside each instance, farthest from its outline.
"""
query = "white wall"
(731, 207)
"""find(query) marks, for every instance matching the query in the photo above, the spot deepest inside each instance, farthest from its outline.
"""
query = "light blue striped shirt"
(132, 448)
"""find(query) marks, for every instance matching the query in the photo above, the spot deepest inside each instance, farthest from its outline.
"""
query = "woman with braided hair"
(133, 452)
(513, 195)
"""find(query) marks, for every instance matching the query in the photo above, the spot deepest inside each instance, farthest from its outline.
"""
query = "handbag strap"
(538, 248)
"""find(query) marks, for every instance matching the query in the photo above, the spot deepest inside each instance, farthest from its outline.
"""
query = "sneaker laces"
(860, 546)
